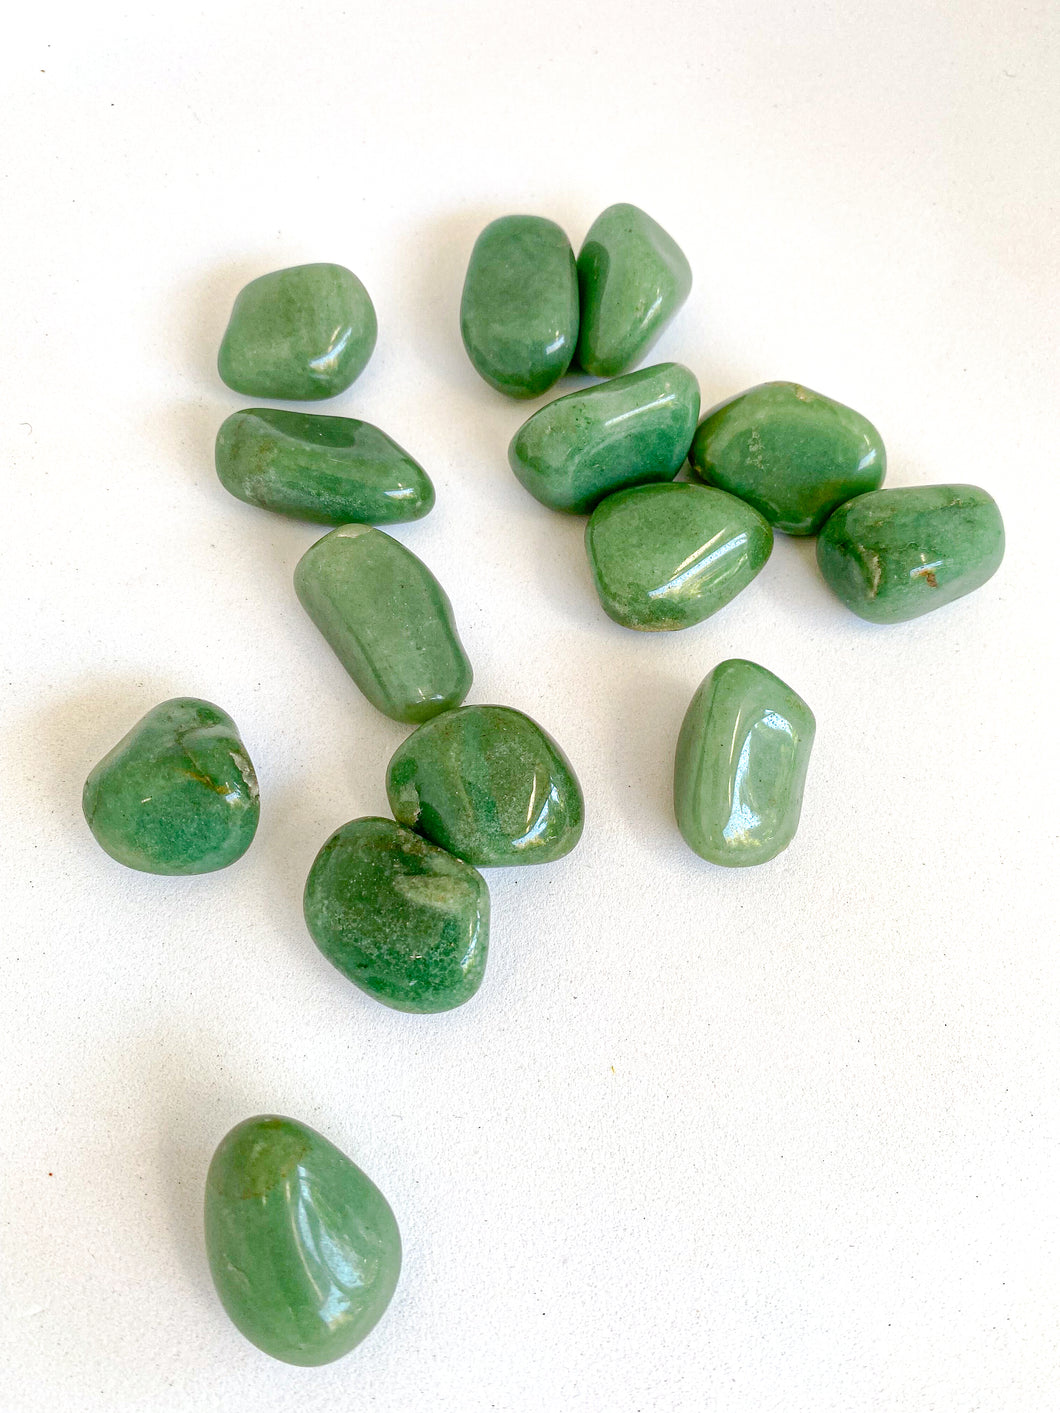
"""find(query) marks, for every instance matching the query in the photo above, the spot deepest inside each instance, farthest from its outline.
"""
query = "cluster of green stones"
(304, 1249)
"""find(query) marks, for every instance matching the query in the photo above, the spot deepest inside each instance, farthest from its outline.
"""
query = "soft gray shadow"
(647, 713)
(563, 567)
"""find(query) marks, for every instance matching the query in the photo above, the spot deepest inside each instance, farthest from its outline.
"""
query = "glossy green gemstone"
(895, 554)
(626, 432)
(741, 765)
(633, 278)
(404, 920)
(301, 333)
(669, 556)
(519, 311)
(388, 620)
(791, 453)
(178, 794)
(303, 1247)
(333, 470)
(486, 783)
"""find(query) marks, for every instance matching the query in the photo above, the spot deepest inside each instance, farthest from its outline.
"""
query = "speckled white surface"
(782, 1140)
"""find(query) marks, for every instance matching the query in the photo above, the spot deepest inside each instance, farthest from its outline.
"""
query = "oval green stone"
(633, 278)
(791, 453)
(178, 794)
(300, 333)
(741, 765)
(388, 620)
(489, 785)
(404, 920)
(893, 555)
(303, 1247)
(519, 311)
(669, 556)
(625, 432)
(332, 470)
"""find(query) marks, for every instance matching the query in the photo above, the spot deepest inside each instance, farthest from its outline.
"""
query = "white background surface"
(777, 1139)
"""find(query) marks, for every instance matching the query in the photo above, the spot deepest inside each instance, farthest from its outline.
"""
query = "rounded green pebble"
(303, 1247)
(519, 309)
(628, 431)
(404, 920)
(332, 470)
(896, 554)
(669, 556)
(488, 784)
(177, 794)
(301, 333)
(792, 453)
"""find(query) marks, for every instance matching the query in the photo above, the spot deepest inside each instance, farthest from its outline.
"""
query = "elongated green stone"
(489, 785)
(301, 333)
(741, 765)
(519, 311)
(406, 922)
(633, 278)
(303, 1247)
(388, 620)
(332, 470)
(626, 432)
(895, 554)
(791, 453)
(669, 556)
(178, 794)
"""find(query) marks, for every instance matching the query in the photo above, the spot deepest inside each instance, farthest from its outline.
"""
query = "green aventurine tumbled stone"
(625, 432)
(404, 920)
(741, 765)
(301, 333)
(486, 783)
(669, 556)
(895, 554)
(333, 470)
(303, 1247)
(791, 453)
(519, 311)
(388, 620)
(633, 278)
(178, 794)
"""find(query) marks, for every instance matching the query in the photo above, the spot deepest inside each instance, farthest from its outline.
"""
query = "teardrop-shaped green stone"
(303, 1247)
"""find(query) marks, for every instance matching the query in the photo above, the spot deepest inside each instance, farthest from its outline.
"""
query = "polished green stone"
(741, 765)
(791, 453)
(489, 785)
(669, 556)
(895, 554)
(626, 432)
(303, 1247)
(332, 470)
(519, 311)
(301, 333)
(404, 920)
(633, 278)
(178, 794)
(388, 620)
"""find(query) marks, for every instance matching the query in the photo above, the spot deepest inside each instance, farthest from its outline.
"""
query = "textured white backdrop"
(780, 1139)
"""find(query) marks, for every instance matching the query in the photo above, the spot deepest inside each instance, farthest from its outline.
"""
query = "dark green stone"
(625, 432)
(303, 1247)
(669, 556)
(388, 620)
(486, 783)
(332, 470)
(791, 453)
(741, 765)
(302, 333)
(633, 279)
(895, 554)
(519, 311)
(404, 920)
(178, 794)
